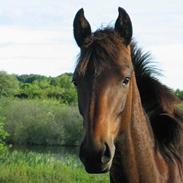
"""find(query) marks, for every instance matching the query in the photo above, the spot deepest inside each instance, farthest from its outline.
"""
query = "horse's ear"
(82, 28)
(123, 26)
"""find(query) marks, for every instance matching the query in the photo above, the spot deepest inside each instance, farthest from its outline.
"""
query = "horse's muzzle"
(95, 159)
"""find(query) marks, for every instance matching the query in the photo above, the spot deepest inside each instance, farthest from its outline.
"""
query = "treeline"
(38, 87)
(34, 86)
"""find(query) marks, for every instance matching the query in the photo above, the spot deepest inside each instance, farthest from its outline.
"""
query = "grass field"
(30, 167)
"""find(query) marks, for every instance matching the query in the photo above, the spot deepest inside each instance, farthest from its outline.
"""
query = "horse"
(132, 125)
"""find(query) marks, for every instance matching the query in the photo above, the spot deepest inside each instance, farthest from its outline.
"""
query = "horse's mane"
(104, 45)
(160, 104)
(158, 100)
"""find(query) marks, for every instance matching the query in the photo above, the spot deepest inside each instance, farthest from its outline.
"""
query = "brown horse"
(132, 127)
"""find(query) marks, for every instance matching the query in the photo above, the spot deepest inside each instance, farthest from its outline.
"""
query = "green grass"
(30, 167)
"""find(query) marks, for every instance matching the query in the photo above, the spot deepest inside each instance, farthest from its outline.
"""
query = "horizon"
(36, 37)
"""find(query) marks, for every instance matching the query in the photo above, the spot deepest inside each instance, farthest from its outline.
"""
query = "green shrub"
(43, 123)
(8, 84)
(179, 94)
(3, 136)
(42, 87)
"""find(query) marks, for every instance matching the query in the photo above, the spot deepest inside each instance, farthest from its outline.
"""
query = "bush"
(3, 136)
(8, 84)
(179, 94)
(42, 87)
(43, 123)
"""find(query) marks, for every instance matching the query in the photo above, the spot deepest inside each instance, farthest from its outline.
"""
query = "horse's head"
(102, 78)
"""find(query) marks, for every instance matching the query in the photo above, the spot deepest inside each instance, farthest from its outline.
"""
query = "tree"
(8, 84)
(29, 78)
(37, 86)
(179, 94)
(69, 92)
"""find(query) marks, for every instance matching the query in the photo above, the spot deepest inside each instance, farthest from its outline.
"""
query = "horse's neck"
(134, 160)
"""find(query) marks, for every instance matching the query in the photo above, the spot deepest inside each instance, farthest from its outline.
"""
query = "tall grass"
(19, 167)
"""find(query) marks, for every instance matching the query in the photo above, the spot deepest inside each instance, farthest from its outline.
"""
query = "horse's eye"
(125, 81)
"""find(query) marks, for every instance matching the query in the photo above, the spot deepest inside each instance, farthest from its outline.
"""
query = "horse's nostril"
(106, 154)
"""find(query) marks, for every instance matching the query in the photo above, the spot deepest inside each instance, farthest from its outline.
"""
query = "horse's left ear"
(123, 26)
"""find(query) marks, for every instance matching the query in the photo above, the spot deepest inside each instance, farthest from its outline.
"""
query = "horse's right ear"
(82, 28)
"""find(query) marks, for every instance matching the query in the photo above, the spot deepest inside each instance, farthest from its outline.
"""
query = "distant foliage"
(38, 87)
(42, 87)
(3, 136)
(30, 78)
(43, 123)
(179, 94)
(38, 109)
(8, 84)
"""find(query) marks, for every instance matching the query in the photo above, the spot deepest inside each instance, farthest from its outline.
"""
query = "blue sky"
(36, 36)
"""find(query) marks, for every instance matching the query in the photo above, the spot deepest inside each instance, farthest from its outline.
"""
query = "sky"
(37, 36)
